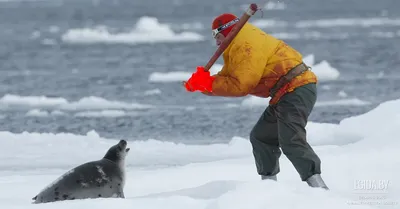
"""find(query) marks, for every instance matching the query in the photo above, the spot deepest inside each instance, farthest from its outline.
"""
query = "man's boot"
(269, 177)
(316, 181)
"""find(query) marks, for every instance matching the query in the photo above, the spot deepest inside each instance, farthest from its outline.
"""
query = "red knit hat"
(219, 25)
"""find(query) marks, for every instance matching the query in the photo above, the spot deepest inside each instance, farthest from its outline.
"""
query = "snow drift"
(359, 164)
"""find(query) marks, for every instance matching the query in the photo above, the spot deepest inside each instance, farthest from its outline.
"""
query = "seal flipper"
(120, 193)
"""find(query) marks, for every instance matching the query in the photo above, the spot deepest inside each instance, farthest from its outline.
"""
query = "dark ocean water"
(359, 38)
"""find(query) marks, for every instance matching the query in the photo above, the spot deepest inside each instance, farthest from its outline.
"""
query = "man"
(255, 63)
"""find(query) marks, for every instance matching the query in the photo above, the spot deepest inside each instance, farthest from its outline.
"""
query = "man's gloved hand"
(200, 81)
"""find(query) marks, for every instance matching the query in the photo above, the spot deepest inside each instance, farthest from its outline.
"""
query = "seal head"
(117, 152)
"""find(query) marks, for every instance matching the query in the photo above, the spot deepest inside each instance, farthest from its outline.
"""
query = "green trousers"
(282, 127)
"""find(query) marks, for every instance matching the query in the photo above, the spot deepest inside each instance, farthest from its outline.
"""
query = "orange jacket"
(253, 63)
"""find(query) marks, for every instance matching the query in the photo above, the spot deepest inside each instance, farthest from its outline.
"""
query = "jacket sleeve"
(245, 69)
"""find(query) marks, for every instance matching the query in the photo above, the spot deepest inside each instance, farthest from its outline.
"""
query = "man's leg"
(292, 114)
(264, 140)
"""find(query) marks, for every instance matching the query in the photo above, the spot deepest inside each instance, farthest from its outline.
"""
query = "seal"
(104, 178)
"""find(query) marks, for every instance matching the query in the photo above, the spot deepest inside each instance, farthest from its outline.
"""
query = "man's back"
(277, 58)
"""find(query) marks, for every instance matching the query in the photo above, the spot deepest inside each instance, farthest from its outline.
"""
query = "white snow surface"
(359, 164)
(148, 30)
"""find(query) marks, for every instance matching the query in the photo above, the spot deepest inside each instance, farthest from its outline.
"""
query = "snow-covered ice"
(148, 30)
(359, 164)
